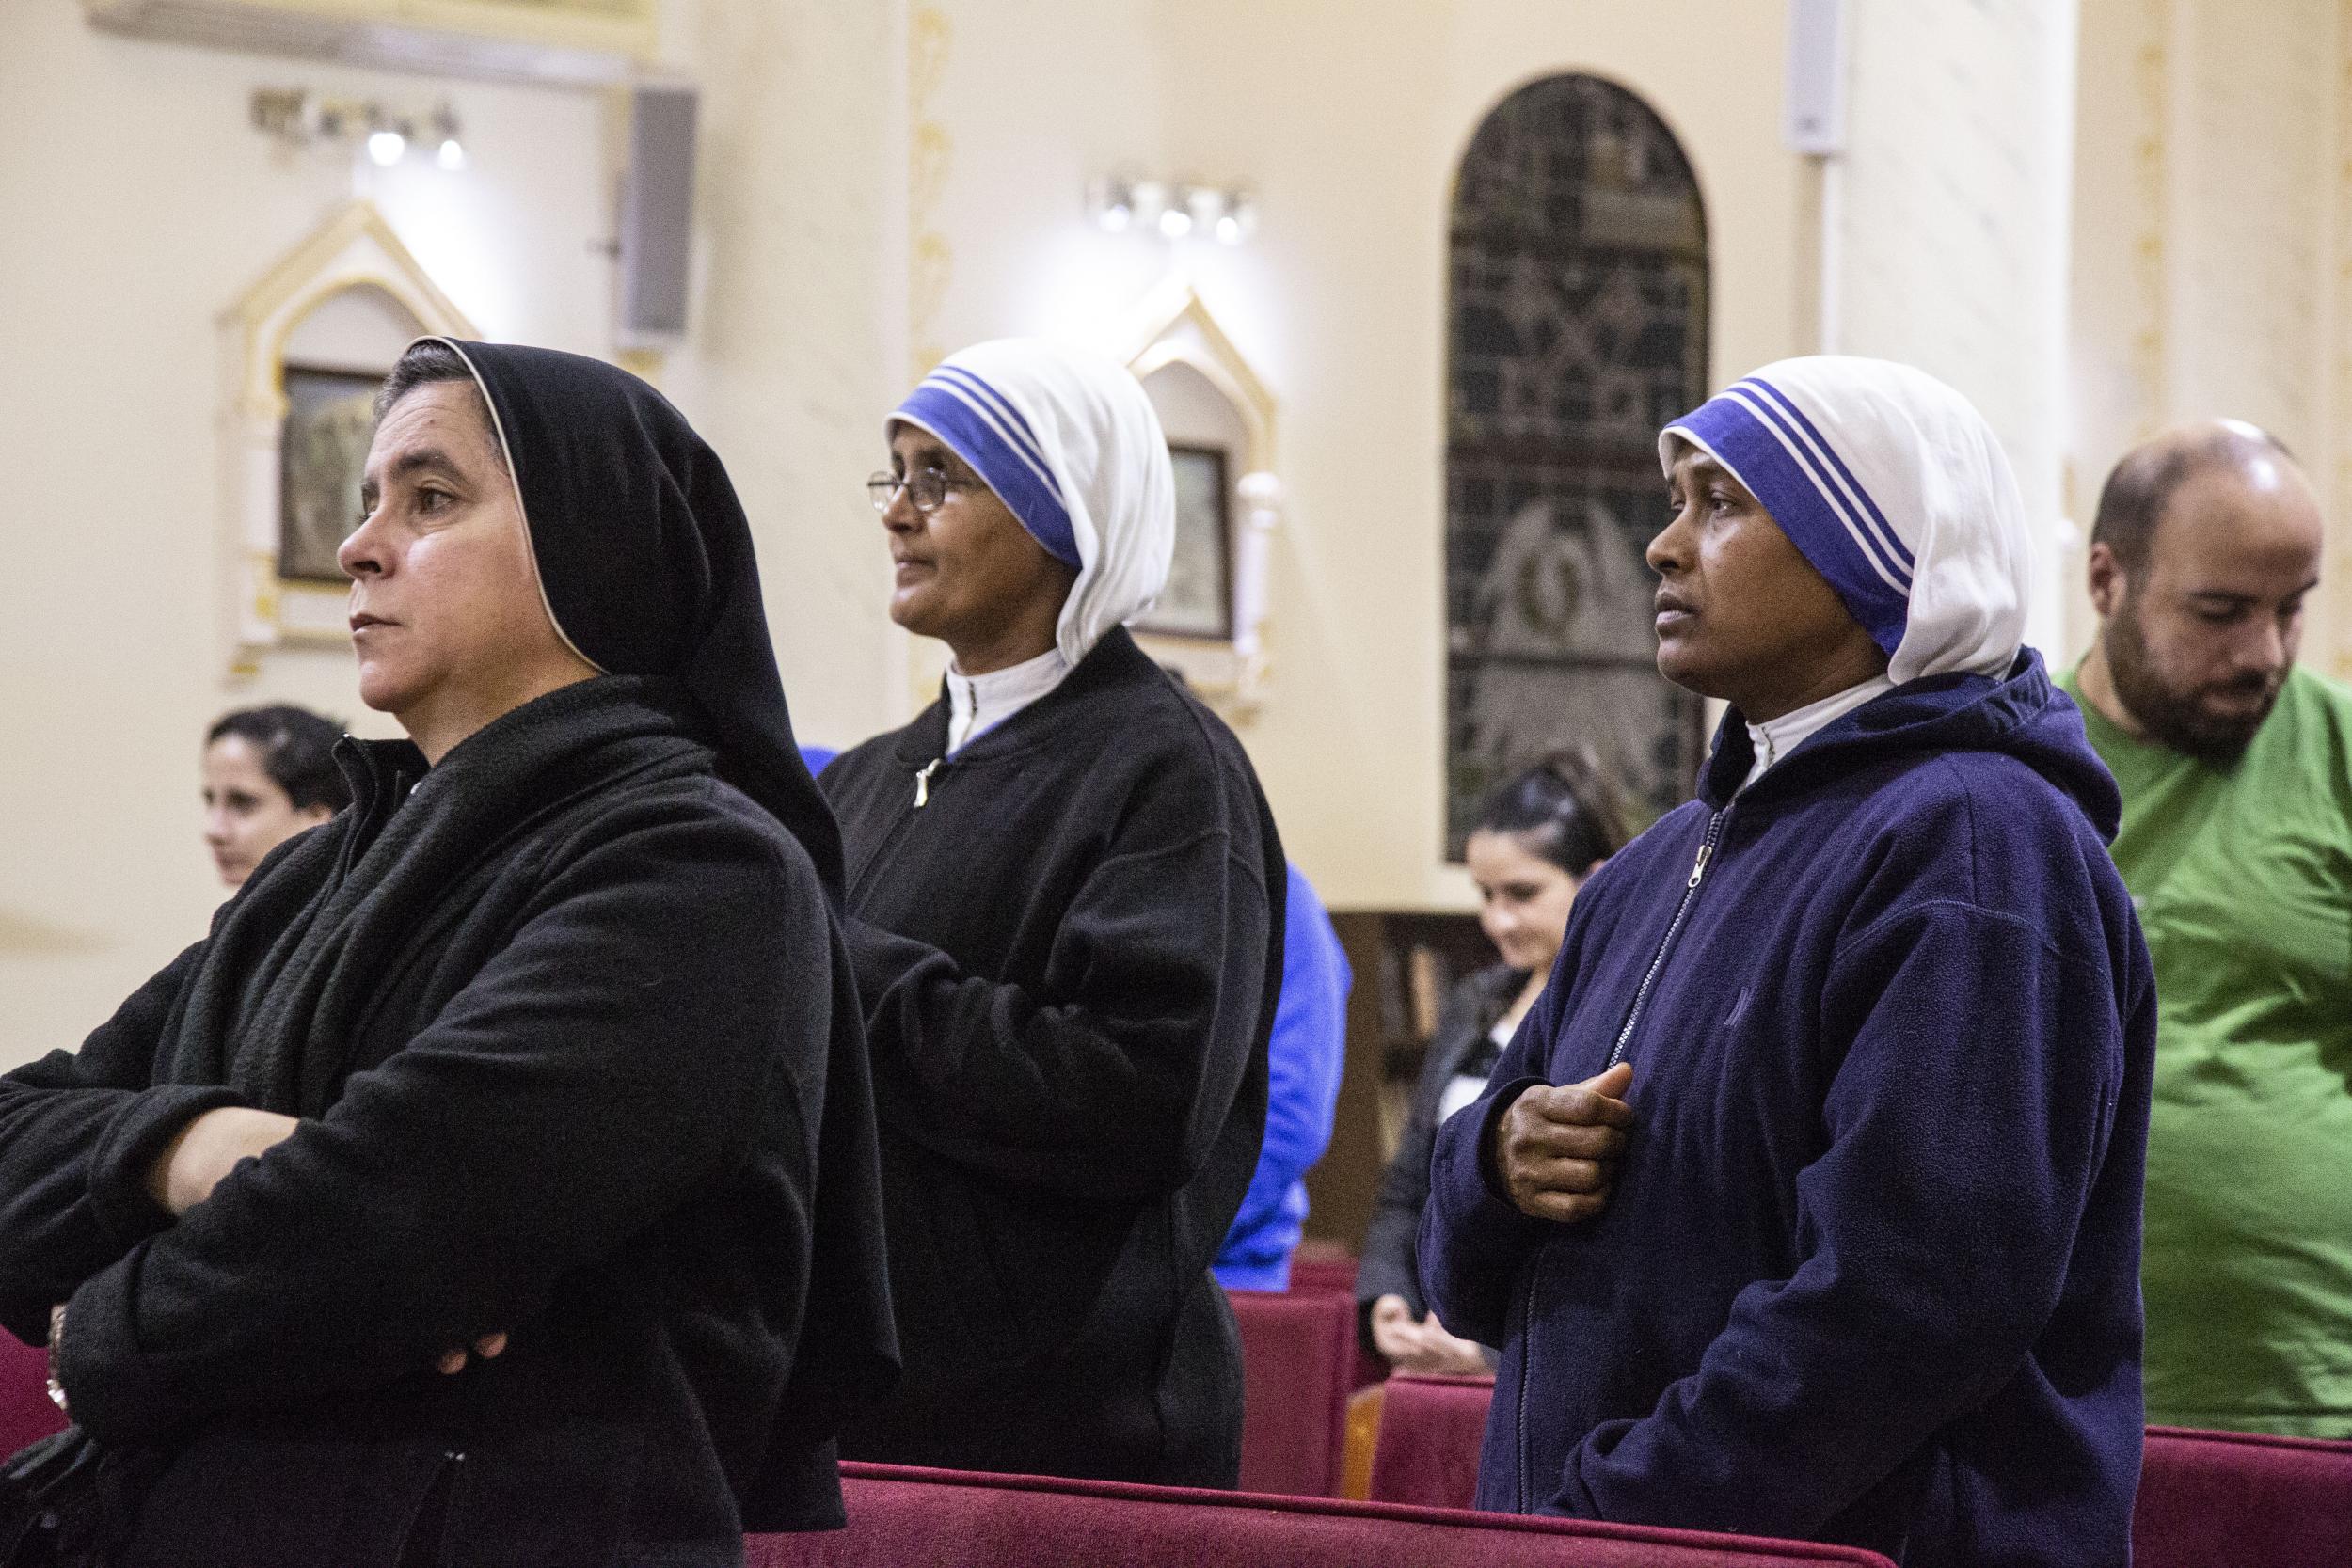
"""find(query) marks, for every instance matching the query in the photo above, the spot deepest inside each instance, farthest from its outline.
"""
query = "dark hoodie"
(1869, 1271)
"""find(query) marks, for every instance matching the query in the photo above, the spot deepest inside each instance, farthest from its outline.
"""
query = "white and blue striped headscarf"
(1896, 491)
(1070, 445)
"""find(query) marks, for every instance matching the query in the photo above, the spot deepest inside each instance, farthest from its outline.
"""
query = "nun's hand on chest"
(1556, 1149)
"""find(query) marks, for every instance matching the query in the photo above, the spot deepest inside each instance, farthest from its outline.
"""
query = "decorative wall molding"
(2151, 166)
(931, 153)
(2335, 339)
(355, 249)
(573, 43)
(1175, 327)
(1174, 324)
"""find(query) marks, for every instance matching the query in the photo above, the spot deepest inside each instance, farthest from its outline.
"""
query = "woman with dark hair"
(269, 773)
(497, 1183)
(1538, 836)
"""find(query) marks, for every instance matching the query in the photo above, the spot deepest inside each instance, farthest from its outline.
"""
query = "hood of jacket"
(2022, 714)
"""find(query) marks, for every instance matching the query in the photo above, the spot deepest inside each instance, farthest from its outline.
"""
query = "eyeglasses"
(924, 487)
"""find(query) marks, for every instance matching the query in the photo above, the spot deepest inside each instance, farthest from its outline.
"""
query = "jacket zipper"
(427, 1536)
(1527, 1364)
(1708, 844)
(1673, 928)
(882, 852)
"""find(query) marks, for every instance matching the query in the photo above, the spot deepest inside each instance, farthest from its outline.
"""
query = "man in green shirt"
(2237, 773)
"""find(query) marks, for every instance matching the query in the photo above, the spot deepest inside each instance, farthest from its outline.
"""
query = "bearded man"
(2237, 771)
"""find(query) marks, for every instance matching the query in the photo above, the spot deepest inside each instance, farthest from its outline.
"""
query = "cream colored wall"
(1349, 129)
(1950, 233)
(799, 324)
(137, 203)
(881, 183)
(2213, 239)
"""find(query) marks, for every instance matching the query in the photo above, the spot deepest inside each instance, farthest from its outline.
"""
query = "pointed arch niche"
(300, 351)
(1577, 327)
(1219, 418)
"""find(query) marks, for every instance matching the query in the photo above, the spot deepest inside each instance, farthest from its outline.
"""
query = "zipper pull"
(922, 783)
(1698, 867)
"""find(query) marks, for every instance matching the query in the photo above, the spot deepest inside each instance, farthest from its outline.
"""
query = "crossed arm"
(1114, 1090)
(606, 1063)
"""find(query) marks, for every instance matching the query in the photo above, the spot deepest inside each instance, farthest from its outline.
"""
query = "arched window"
(1578, 326)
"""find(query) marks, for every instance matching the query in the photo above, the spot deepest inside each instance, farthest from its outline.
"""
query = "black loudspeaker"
(657, 215)
(1814, 118)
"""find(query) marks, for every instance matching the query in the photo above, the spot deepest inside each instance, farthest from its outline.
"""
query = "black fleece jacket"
(1068, 953)
(581, 1105)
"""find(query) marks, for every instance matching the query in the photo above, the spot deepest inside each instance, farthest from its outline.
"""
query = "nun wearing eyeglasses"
(1807, 1201)
(1066, 899)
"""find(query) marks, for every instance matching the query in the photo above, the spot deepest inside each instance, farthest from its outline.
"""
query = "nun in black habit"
(559, 1037)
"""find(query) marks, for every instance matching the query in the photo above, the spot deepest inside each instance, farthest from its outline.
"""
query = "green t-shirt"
(2243, 878)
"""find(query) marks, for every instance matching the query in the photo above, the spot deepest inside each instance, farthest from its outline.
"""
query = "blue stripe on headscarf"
(982, 427)
(1818, 449)
(1811, 510)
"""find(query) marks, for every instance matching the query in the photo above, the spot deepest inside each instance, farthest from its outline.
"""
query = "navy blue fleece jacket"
(1869, 1271)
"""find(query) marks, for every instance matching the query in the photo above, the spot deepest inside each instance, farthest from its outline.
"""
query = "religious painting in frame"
(1199, 599)
(330, 416)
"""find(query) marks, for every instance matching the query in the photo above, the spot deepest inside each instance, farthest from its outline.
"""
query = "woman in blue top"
(1807, 1202)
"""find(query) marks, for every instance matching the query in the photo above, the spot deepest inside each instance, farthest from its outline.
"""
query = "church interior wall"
(2135, 224)
(2212, 231)
(140, 204)
(1349, 135)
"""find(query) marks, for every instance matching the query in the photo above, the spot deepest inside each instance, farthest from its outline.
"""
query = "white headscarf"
(1896, 490)
(1070, 445)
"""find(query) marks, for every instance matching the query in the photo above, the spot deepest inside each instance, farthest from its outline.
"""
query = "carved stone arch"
(1576, 326)
(340, 304)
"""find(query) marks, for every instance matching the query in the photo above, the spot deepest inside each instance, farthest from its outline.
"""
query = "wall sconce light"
(299, 118)
(450, 154)
(386, 140)
(1118, 203)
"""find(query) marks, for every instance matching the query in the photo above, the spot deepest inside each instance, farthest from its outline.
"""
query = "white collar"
(978, 704)
(1775, 738)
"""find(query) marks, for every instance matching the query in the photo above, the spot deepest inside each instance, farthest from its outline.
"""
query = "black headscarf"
(646, 561)
(645, 557)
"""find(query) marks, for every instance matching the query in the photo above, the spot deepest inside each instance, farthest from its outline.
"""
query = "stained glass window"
(1578, 327)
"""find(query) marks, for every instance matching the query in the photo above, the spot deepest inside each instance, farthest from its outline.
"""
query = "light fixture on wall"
(1175, 209)
(450, 154)
(299, 118)
(386, 141)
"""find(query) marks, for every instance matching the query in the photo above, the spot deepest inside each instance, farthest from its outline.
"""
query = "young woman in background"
(1538, 836)
(269, 773)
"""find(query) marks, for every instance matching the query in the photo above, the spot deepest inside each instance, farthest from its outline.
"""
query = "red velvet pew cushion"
(2207, 1500)
(902, 1517)
(1430, 1432)
(1298, 1361)
(26, 1414)
(2228, 1500)
(1327, 1270)
(1320, 1270)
